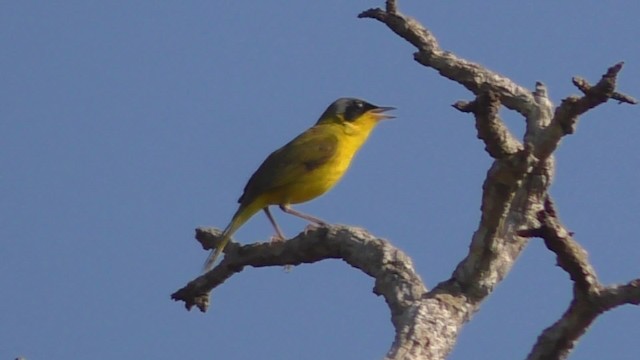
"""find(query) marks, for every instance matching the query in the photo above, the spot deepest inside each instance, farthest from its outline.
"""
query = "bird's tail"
(241, 216)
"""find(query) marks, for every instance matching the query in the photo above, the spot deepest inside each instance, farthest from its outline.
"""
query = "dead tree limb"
(515, 206)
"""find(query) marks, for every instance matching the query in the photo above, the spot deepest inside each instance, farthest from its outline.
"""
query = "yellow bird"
(306, 167)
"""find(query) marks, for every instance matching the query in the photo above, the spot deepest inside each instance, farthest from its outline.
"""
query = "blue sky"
(125, 125)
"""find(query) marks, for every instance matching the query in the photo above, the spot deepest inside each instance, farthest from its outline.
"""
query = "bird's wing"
(306, 152)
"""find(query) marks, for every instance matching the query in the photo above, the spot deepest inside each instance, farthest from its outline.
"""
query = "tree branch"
(395, 277)
(565, 117)
(498, 140)
(471, 75)
(515, 188)
(571, 257)
(590, 297)
(615, 295)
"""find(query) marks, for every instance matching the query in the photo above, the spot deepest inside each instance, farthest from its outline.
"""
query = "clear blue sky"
(125, 125)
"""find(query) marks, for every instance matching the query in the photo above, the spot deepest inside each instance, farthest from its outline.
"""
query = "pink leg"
(286, 208)
(279, 235)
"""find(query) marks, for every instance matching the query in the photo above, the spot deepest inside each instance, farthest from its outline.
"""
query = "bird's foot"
(314, 226)
(277, 238)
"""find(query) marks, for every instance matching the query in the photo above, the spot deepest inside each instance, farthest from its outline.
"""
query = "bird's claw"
(313, 226)
(276, 238)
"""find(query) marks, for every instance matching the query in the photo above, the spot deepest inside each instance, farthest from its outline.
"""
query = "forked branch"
(514, 197)
(395, 277)
(590, 297)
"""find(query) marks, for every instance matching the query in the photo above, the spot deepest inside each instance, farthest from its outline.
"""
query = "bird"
(306, 167)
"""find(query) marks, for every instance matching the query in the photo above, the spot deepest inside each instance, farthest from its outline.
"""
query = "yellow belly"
(312, 184)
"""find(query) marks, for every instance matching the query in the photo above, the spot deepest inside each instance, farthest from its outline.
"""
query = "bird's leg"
(314, 221)
(286, 208)
(279, 235)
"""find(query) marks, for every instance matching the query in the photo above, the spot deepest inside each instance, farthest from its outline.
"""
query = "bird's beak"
(379, 112)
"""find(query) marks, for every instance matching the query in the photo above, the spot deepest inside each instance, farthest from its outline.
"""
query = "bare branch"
(558, 340)
(396, 279)
(590, 297)
(606, 80)
(495, 246)
(571, 257)
(566, 115)
(391, 6)
(498, 140)
(616, 295)
(623, 98)
(473, 76)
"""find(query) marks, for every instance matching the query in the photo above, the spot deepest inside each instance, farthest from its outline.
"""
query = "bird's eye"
(354, 110)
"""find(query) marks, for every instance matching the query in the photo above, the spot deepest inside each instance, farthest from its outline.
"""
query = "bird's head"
(354, 111)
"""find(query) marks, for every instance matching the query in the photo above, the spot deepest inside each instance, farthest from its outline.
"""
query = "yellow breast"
(321, 179)
(318, 181)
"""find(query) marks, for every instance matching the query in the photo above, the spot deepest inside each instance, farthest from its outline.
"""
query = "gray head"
(351, 109)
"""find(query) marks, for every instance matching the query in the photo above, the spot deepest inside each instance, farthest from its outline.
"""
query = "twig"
(498, 140)
(565, 117)
(473, 76)
(393, 270)
(590, 297)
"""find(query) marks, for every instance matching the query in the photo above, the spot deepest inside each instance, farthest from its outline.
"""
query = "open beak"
(379, 112)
